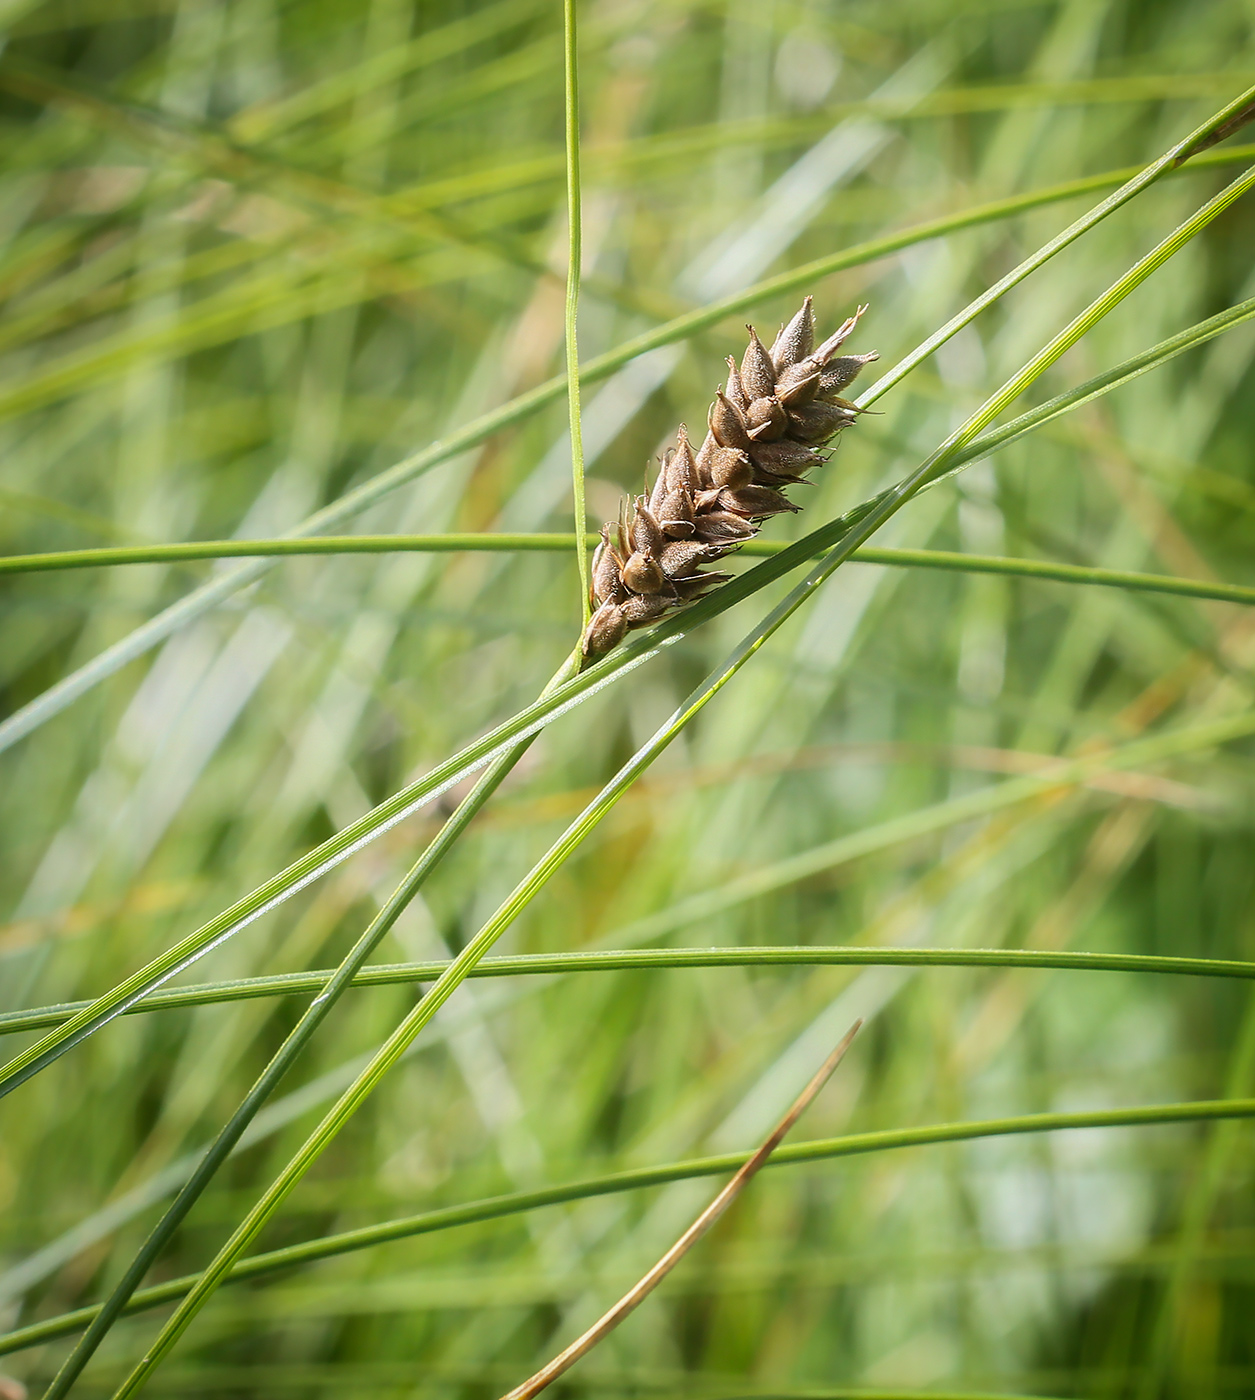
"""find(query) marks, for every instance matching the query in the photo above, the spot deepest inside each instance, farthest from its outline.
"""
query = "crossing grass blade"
(856, 1144)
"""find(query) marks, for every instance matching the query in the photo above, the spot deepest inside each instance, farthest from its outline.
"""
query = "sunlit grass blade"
(575, 254)
(948, 560)
(310, 983)
(449, 1217)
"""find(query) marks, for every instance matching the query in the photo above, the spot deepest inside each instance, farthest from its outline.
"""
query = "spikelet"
(764, 432)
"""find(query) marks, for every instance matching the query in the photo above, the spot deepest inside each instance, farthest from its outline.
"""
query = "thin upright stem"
(575, 252)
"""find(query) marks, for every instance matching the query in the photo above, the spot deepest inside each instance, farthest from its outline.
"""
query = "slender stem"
(947, 560)
(640, 1178)
(646, 1285)
(288, 984)
(575, 225)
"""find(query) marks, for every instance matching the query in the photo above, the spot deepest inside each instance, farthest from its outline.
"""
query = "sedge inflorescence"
(765, 431)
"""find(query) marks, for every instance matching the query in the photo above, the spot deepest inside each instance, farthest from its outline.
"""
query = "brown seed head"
(763, 432)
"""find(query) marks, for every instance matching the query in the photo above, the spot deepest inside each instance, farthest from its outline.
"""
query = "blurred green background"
(253, 252)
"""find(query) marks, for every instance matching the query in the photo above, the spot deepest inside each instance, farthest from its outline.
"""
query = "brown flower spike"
(764, 432)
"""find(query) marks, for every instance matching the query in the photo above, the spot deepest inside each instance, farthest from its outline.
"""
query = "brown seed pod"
(606, 629)
(798, 383)
(766, 420)
(727, 424)
(785, 458)
(660, 489)
(763, 432)
(796, 340)
(607, 572)
(722, 527)
(638, 610)
(823, 353)
(730, 467)
(680, 559)
(840, 373)
(758, 374)
(682, 467)
(757, 502)
(642, 574)
(676, 516)
(689, 589)
(817, 421)
(645, 534)
(735, 389)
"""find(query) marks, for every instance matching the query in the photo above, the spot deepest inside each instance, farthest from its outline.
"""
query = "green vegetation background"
(254, 252)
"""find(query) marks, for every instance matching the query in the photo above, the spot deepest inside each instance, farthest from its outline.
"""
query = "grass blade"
(574, 215)
(449, 1217)
(310, 983)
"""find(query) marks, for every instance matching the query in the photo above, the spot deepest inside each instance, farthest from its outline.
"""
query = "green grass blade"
(948, 560)
(575, 253)
(642, 959)
(494, 1208)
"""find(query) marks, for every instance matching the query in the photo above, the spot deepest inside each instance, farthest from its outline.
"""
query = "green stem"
(557, 543)
(575, 224)
(309, 983)
(495, 1207)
